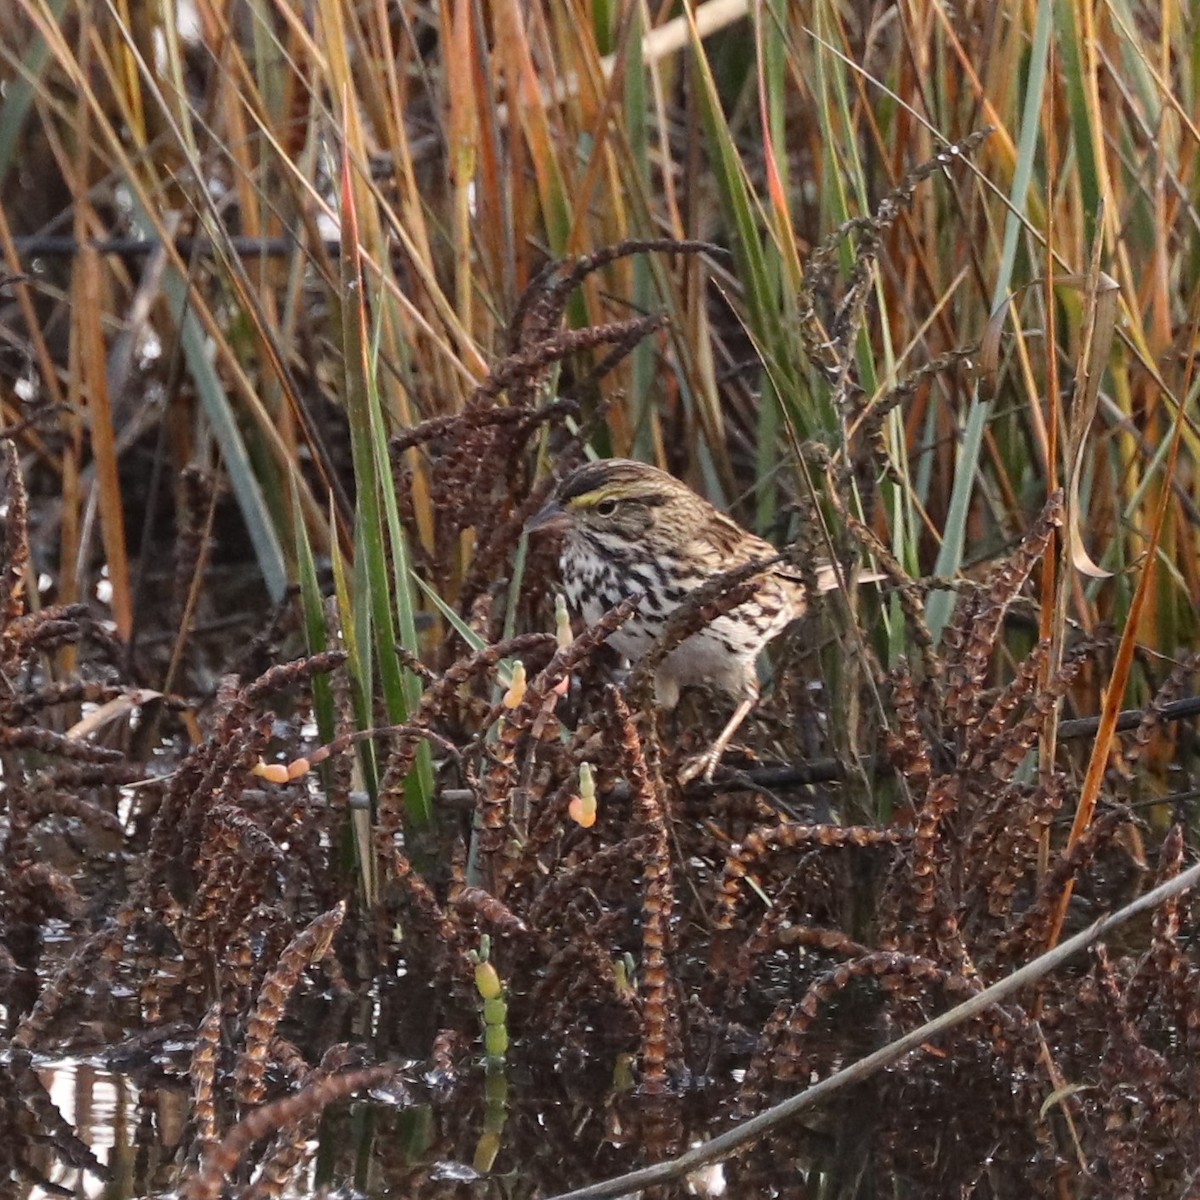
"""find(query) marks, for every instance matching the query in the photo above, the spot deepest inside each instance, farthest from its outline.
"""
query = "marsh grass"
(305, 309)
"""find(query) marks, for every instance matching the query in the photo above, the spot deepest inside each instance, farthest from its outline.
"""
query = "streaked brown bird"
(631, 528)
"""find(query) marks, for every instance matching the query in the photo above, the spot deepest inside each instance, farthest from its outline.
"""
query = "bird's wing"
(730, 541)
(736, 546)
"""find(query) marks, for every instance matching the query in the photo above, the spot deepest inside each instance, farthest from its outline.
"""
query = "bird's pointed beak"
(550, 518)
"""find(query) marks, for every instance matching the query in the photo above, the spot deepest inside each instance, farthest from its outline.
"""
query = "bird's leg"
(705, 764)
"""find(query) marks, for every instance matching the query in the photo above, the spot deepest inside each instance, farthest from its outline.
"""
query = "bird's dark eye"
(606, 508)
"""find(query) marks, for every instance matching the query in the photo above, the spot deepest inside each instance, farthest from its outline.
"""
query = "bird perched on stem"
(630, 528)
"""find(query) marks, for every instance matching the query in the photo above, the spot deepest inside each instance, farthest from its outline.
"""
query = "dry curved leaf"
(1102, 297)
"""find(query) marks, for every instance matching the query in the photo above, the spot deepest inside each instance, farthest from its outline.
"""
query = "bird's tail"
(829, 578)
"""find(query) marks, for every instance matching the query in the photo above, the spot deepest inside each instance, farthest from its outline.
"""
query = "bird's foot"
(700, 766)
(706, 764)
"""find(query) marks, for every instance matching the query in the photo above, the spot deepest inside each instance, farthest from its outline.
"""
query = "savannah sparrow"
(632, 528)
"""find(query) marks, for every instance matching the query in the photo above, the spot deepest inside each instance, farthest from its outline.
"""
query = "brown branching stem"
(749, 1131)
(830, 770)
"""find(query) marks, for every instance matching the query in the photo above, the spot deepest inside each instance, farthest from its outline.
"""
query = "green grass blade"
(316, 633)
(367, 444)
(402, 687)
(950, 555)
(227, 431)
(19, 92)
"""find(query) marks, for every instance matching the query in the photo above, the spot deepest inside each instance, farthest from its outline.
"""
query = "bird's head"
(619, 502)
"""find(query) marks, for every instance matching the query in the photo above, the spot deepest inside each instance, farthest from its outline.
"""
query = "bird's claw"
(702, 766)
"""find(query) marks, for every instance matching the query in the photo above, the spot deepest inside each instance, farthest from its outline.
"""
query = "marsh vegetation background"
(305, 307)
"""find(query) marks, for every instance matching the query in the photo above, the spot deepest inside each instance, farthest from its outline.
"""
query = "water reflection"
(84, 1129)
(86, 1116)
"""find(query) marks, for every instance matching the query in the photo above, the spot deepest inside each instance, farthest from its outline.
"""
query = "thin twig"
(63, 246)
(830, 770)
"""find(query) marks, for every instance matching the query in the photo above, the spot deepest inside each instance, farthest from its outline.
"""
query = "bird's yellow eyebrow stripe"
(614, 491)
